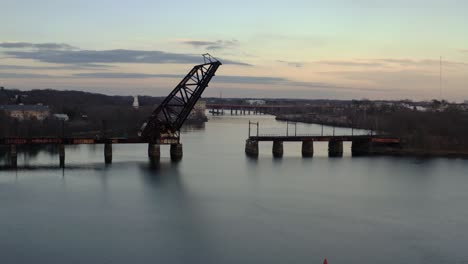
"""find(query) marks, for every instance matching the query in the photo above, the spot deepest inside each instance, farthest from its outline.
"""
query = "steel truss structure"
(164, 124)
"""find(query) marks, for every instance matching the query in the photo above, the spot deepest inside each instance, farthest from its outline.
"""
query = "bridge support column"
(251, 148)
(176, 152)
(62, 155)
(335, 148)
(154, 152)
(277, 149)
(108, 153)
(308, 149)
(13, 156)
(361, 148)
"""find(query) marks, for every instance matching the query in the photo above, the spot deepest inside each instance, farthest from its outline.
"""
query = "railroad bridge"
(362, 145)
(245, 109)
(162, 127)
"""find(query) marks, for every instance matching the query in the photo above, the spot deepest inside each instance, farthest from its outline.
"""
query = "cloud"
(61, 67)
(7, 75)
(110, 56)
(426, 62)
(296, 64)
(350, 63)
(117, 75)
(218, 78)
(389, 62)
(212, 45)
(233, 79)
(48, 46)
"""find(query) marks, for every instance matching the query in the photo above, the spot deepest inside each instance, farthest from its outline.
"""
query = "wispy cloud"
(61, 67)
(388, 62)
(28, 45)
(233, 79)
(123, 75)
(212, 45)
(7, 75)
(218, 78)
(350, 63)
(61, 53)
(297, 64)
(111, 56)
(425, 62)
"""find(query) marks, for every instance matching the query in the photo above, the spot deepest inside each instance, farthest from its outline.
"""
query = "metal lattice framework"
(166, 120)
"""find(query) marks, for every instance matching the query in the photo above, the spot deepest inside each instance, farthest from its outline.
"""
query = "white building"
(62, 117)
(255, 102)
(136, 103)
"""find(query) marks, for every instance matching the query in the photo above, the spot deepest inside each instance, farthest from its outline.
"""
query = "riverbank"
(318, 119)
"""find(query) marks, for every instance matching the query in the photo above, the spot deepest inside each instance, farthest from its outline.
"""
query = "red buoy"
(325, 261)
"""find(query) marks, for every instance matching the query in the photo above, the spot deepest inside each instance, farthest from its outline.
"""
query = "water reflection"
(190, 127)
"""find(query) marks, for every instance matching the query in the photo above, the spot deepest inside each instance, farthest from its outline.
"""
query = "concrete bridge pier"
(308, 149)
(154, 152)
(251, 148)
(176, 152)
(361, 148)
(335, 148)
(62, 155)
(277, 149)
(108, 153)
(13, 156)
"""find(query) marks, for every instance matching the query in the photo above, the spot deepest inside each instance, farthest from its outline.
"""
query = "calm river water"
(218, 206)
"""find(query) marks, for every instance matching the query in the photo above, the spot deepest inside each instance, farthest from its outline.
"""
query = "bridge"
(362, 145)
(162, 127)
(164, 124)
(241, 109)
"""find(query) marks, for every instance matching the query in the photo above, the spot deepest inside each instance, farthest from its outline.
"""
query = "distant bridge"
(240, 109)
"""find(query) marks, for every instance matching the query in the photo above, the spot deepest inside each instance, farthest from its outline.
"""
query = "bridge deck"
(78, 141)
(381, 139)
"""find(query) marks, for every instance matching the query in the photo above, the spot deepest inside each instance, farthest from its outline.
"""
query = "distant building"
(25, 112)
(255, 102)
(62, 117)
(136, 103)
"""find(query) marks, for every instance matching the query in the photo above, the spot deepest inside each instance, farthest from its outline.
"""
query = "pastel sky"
(337, 49)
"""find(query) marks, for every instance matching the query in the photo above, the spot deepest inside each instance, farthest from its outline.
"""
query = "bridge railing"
(300, 129)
